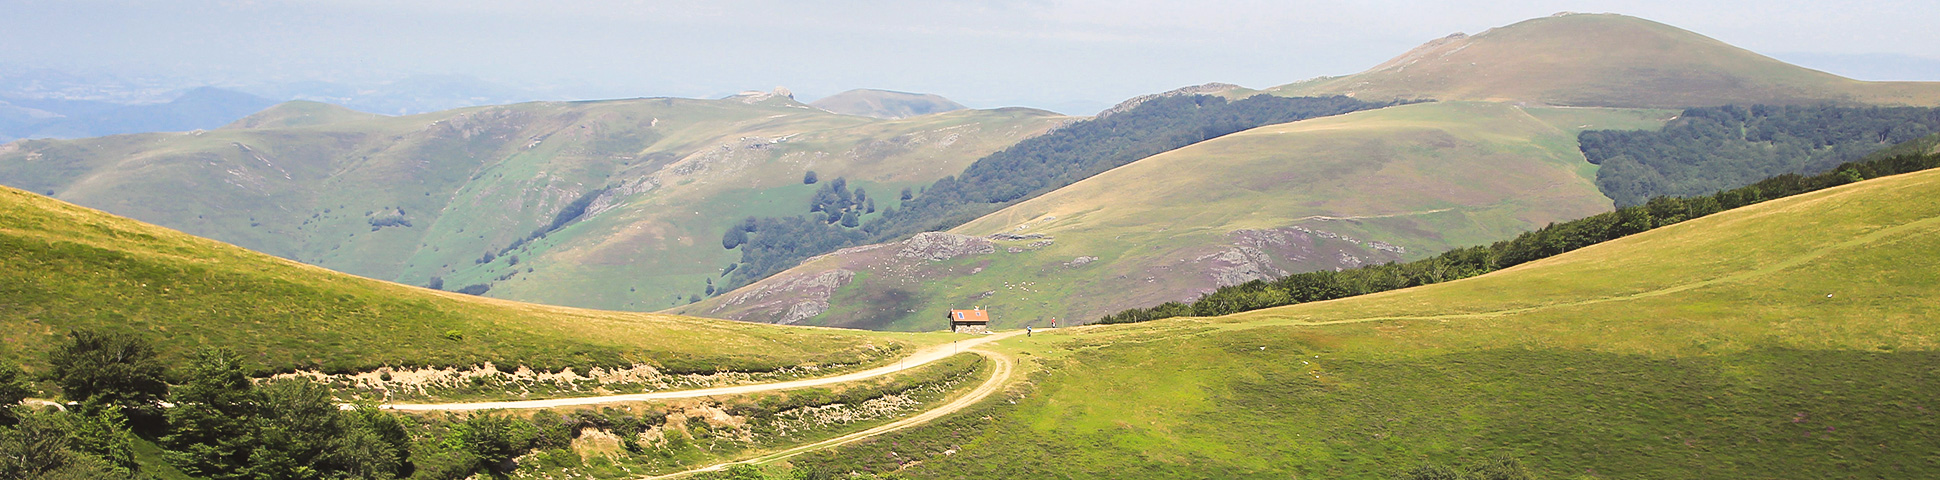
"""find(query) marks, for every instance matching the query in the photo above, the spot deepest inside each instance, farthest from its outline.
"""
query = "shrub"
(112, 368)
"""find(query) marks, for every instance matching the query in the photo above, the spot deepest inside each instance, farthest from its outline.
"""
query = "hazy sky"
(1065, 55)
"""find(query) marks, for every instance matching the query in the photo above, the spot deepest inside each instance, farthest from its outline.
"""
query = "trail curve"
(918, 358)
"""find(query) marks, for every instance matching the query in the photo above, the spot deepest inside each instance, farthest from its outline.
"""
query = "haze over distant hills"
(200, 108)
(885, 104)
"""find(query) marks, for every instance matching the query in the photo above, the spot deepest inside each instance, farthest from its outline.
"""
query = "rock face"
(796, 297)
(939, 246)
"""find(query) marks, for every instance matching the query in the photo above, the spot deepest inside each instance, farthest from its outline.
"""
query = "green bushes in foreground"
(1548, 241)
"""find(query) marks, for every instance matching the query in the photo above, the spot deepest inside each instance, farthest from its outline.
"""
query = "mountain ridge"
(1605, 60)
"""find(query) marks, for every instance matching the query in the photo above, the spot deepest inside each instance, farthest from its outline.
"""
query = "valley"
(1578, 246)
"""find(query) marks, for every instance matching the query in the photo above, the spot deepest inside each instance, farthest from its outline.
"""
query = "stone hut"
(970, 321)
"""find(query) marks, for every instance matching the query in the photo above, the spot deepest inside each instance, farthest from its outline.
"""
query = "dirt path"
(998, 376)
(916, 359)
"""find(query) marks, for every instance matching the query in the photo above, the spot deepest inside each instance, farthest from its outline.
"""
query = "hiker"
(1027, 330)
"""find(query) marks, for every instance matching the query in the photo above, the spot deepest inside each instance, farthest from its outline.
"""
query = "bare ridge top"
(1611, 60)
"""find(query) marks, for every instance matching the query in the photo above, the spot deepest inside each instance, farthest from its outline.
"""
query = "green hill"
(1790, 339)
(1604, 60)
(609, 204)
(885, 103)
(1337, 192)
(1490, 160)
(65, 267)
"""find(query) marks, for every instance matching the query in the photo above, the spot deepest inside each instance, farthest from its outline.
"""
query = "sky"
(1071, 56)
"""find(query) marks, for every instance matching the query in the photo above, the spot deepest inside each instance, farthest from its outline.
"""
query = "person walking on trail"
(1027, 330)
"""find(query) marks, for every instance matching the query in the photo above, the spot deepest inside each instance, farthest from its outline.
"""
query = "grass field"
(1423, 177)
(65, 267)
(1604, 60)
(1791, 339)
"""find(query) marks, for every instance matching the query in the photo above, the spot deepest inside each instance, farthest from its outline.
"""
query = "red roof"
(978, 316)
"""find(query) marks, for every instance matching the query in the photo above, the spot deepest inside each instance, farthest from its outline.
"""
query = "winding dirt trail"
(916, 359)
(998, 376)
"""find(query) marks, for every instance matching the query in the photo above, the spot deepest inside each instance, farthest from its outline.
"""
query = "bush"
(111, 368)
(495, 440)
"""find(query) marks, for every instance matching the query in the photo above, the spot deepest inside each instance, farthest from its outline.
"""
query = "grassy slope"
(304, 181)
(1426, 177)
(1604, 60)
(668, 239)
(64, 267)
(1708, 349)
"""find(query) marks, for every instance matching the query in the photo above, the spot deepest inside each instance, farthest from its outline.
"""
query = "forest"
(1548, 241)
(1709, 149)
(1025, 170)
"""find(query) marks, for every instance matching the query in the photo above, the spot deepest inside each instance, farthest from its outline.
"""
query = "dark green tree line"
(1715, 148)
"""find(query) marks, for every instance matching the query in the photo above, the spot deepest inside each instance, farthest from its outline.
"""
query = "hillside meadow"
(65, 267)
(1791, 339)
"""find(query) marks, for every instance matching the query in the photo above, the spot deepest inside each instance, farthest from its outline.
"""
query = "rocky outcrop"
(939, 246)
(797, 297)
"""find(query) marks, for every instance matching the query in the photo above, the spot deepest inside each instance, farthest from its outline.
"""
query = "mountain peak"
(1601, 59)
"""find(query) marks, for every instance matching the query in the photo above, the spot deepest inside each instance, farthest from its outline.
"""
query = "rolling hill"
(65, 267)
(1367, 187)
(885, 104)
(1789, 339)
(608, 204)
(1603, 60)
(1495, 156)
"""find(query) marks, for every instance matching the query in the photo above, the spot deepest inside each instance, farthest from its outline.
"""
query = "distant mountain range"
(616, 204)
(196, 109)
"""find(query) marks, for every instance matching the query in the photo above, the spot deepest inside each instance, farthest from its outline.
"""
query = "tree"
(809, 178)
(100, 430)
(374, 446)
(850, 219)
(40, 447)
(211, 421)
(734, 237)
(436, 283)
(907, 194)
(13, 389)
(112, 368)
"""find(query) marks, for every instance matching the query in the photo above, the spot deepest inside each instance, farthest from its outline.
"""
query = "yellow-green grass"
(1425, 177)
(1604, 60)
(65, 267)
(1798, 338)
(305, 181)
